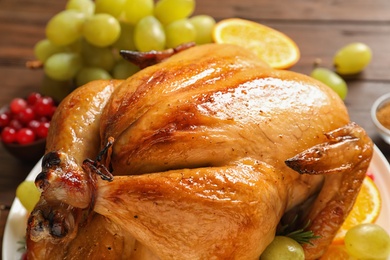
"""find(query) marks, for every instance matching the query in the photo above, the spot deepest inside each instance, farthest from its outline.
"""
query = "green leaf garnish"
(301, 235)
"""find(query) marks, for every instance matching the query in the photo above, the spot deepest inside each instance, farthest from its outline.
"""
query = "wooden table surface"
(319, 27)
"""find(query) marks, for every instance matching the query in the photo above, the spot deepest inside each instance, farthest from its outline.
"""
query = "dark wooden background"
(319, 27)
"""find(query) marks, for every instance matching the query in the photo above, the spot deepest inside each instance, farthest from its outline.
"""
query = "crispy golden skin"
(211, 148)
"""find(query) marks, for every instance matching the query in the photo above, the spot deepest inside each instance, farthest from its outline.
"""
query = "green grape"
(65, 27)
(76, 46)
(58, 90)
(45, 48)
(332, 80)
(112, 7)
(149, 34)
(88, 74)
(101, 30)
(168, 11)
(28, 194)
(178, 32)
(62, 66)
(204, 25)
(85, 6)
(93, 56)
(352, 58)
(125, 40)
(283, 248)
(367, 241)
(124, 69)
(135, 10)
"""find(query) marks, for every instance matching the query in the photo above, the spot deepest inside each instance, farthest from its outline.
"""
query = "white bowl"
(379, 103)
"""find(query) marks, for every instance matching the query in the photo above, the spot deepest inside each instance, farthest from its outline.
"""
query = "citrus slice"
(270, 45)
(365, 210)
(336, 252)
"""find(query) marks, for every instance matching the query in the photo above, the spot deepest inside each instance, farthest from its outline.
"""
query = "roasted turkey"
(196, 157)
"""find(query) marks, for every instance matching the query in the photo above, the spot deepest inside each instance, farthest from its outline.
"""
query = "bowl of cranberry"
(24, 125)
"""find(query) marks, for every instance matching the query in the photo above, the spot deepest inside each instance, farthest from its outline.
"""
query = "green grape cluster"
(83, 41)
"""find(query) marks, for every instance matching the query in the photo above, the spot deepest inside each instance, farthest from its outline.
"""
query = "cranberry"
(5, 118)
(371, 175)
(42, 119)
(15, 124)
(53, 109)
(33, 98)
(17, 105)
(33, 125)
(27, 119)
(26, 115)
(25, 136)
(43, 106)
(8, 135)
(42, 129)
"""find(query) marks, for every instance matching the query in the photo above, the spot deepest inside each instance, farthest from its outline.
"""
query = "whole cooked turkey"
(197, 157)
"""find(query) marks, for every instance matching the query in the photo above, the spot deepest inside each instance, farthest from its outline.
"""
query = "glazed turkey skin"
(214, 106)
(208, 150)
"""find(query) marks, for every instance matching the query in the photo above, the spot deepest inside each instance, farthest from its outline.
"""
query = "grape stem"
(146, 59)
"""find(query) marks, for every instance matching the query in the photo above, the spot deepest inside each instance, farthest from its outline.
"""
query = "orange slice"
(270, 45)
(365, 210)
(336, 252)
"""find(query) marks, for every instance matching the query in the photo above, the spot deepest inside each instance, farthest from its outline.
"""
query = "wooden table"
(318, 27)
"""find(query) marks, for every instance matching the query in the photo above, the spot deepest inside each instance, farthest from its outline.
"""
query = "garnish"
(301, 235)
(22, 245)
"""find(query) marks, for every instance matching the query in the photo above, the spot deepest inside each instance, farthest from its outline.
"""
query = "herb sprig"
(301, 235)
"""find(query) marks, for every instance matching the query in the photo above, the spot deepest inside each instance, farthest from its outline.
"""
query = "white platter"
(15, 228)
(16, 223)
